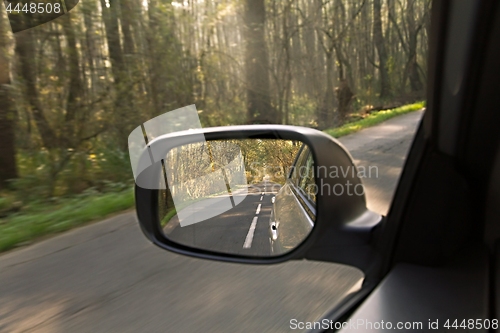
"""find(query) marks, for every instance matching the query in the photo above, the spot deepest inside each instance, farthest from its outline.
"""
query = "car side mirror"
(216, 193)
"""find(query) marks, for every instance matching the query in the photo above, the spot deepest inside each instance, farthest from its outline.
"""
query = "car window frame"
(300, 155)
(302, 197)
(311, 167)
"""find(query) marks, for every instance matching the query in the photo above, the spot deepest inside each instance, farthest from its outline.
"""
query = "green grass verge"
(42, 219)
(373, 119)
(173, 211)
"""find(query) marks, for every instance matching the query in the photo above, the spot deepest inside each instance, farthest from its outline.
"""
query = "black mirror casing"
(343, 228)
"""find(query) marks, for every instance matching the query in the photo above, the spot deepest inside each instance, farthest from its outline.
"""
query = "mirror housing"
(343, 227)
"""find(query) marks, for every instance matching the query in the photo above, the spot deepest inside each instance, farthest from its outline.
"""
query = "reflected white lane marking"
(258, 210)
(251, 231)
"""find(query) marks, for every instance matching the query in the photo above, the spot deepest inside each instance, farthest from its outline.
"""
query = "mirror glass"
(254, 197)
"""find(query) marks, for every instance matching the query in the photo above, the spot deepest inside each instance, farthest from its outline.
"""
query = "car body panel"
(290, 223)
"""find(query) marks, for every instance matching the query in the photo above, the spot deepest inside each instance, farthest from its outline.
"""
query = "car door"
(431, 263)
(438, 245)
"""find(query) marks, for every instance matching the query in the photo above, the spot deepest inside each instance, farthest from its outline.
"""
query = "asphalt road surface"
(243, 229)
(106, 277)
(381, 151)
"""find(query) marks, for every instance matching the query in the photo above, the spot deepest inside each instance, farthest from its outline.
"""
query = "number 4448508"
(34, 8)
(472, 324)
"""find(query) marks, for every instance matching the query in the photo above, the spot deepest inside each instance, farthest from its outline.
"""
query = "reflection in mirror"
(254, 197)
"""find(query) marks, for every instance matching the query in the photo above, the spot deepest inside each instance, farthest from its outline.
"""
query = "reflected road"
(243, 229)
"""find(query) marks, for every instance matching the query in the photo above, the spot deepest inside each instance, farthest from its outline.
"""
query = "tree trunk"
(382, 53)
(8, 169)
(128, 11)
(326, 116)
(412, 65)
(25, 49)
(259, 108)
(312, 66)
(110, 16)
(75, 82)
(121, 121)
(88, 8)
(153, 63)
(344, 97)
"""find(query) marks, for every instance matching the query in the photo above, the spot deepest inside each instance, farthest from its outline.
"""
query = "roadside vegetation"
(40, 219)
(372, 119)
(23, 222)
(72, 89)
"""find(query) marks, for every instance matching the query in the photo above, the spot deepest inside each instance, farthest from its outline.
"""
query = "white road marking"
(258, 210)
(248, 240)
(261, 198)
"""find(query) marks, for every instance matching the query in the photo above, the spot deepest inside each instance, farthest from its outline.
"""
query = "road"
(243, 229)
(106, 277)
(384, 147)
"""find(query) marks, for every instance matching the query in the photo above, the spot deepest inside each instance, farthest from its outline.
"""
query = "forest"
(74, 88)
(213, 168)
